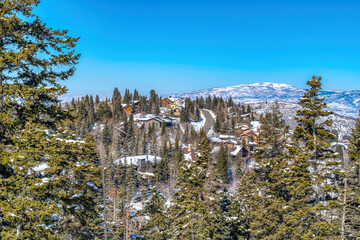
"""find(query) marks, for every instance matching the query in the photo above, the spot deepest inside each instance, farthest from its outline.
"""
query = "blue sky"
(177, 46)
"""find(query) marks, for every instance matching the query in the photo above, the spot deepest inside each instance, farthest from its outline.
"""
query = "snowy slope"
(342, 124)
(345, 103)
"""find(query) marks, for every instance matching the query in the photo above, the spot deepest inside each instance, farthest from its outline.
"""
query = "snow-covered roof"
(227, 137)
(135, 160)
(237, 150)
(41, 167)
(215, 149)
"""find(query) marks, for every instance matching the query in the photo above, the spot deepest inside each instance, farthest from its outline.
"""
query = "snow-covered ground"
(199, 125)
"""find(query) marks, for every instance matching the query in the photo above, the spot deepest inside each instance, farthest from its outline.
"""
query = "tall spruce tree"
(222, 165)
(265, 184)
(313, 216)
(116, 104)
(49, 179)
(53, 188)
(189, 206)
(350, 197)
(33, 59)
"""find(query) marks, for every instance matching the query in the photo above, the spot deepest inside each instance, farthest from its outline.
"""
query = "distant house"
(155, 121)
(175, 109)
(127, 108)
(239, 151)
(136, 106)
(166, 102)
(246, 133)
(138, 160)
(121, 134)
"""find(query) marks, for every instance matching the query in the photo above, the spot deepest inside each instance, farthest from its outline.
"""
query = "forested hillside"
(146, 167)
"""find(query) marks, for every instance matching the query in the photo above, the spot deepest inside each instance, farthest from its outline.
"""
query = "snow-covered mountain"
(346, 103)
(343, 125)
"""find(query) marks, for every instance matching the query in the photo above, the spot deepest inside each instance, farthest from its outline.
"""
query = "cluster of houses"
(172, 106)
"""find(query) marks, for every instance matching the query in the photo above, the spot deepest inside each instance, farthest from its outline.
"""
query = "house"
(121, 134)
(166, 102)
(239, 151)
(175, 109)
(138, 160)
(136, 106)
(155, 121)
(174, 106)
(127, 108)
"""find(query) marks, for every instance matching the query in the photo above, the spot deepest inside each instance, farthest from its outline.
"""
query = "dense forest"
(151, 167)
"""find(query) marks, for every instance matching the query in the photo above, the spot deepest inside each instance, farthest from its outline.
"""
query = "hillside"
(346, 103)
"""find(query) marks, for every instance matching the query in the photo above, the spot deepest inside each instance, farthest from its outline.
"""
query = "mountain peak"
(345, 103)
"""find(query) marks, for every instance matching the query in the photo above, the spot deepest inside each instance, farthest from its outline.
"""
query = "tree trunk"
(343, 218)
(104, 197)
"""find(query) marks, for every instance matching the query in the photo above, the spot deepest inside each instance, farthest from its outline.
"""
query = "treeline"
(90, 110)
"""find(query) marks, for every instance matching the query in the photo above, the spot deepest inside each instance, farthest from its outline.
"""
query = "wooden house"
(166, 102)
(127, 108)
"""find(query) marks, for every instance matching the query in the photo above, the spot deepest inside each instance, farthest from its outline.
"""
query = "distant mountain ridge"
(346, 103)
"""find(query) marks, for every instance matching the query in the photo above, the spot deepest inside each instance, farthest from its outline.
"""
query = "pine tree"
(34, 58)
(157, 224)
(230, 102)
(350, 197)
(136, 95)
(37, 203)
(197, 114)
(106, 136)
(266, 199)
(116, 104)
(103, 111)
(127, 97)
(184, 117)
(318, 195)
(216, 224)
(222, 165)
(49, 179)
(189, 202)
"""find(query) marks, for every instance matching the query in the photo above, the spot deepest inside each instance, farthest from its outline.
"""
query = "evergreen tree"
(263, 189)
(189, 202)
(103, 111)
(157, 225)
(34, 58)
(350, 197)
(49, 180)
(318, 195)
(116, 104)
(184, 117)
(136, 95)
(106, 136)
(222, 165)
(197, 114)
(163, 128)
(230, 102)
(53, 189)
(97, 99)
(217, 126)
(127, 97)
